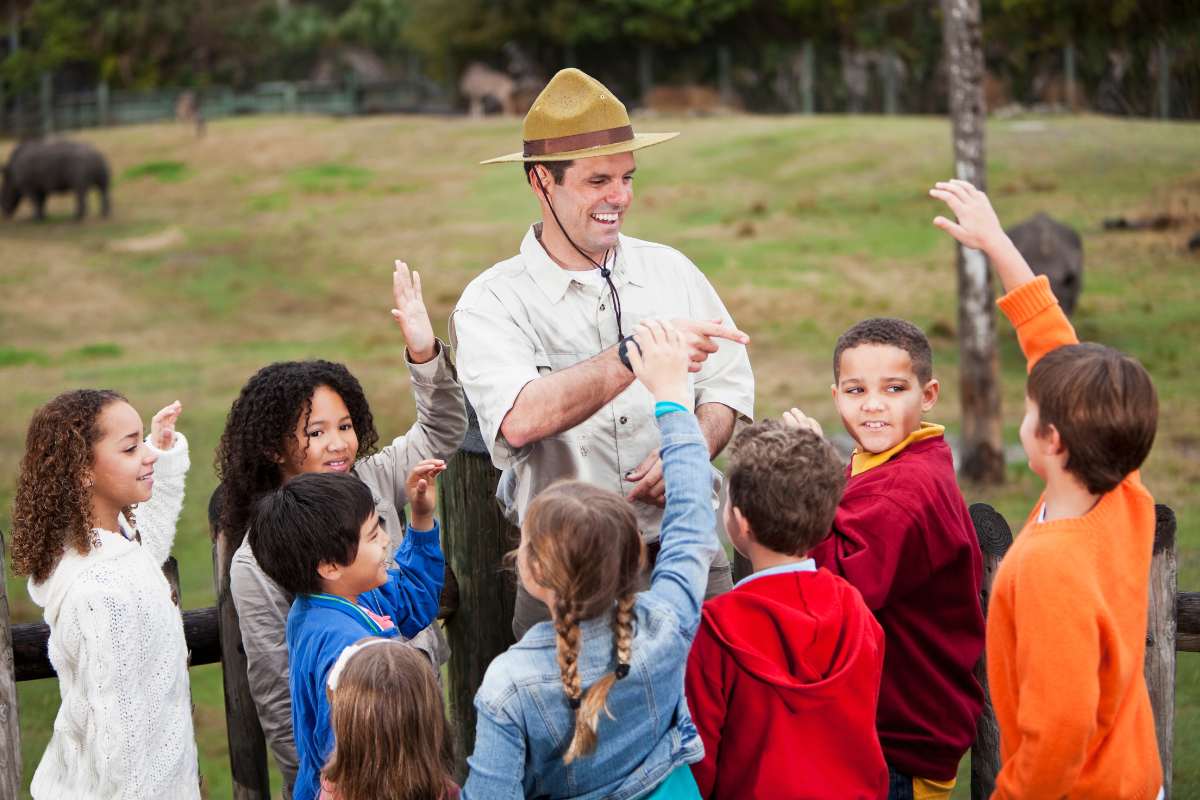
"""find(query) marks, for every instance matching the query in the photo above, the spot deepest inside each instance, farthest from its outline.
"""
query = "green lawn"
(287, 227)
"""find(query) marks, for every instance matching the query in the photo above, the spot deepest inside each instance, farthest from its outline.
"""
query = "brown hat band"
(578, 141)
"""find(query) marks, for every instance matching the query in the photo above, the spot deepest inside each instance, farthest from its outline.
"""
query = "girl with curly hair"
(299, 417)
(124, 728)
(608, 647)
(389, 722)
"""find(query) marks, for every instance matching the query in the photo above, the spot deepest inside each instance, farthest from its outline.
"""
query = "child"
(1067, 623)
(312, 416)
(124, 728)
(318, 536)
(783, 678)
(391, 737)
(903, 537)
(608, 648)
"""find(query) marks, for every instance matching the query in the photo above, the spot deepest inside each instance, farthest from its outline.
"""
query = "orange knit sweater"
(1066, 628)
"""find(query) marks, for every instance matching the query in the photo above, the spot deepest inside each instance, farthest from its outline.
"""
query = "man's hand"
(699, 335)
(422, 492)
(411, 314)
(162, 427)
(650, 488)
(978, 227)
(795, 418)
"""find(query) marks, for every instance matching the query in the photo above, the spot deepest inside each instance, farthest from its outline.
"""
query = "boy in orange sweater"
(1066, 628)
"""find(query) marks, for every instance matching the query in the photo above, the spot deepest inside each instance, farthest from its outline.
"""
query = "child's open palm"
(162, 427)
(422, 491)
(978, 227)
(411, 314)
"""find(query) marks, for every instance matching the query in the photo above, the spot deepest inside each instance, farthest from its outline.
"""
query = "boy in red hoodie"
(903, 537)
(783, 676)
(1066, 630)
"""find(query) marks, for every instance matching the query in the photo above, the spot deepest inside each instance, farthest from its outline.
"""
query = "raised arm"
(1028, 302)
(688, 535)
(414, 589)
(157, 517)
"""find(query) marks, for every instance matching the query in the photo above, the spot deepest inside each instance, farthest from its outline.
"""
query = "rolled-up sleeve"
(496, 358)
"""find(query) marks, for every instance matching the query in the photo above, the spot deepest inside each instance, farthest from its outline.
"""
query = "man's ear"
(929, 394)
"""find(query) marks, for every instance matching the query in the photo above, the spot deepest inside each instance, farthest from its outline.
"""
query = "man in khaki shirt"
(538, 335)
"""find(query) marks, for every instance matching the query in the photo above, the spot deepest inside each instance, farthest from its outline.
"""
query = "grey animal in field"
(1054, 250)
(37, 169)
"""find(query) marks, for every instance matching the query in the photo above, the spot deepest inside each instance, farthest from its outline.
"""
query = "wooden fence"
(477, 606)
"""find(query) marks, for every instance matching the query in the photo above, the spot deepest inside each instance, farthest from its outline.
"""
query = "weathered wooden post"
(1160, 637)
(741, 566)
(995, 537)
(247, 745)
(476, 536)
(982, 444)
(10, 729)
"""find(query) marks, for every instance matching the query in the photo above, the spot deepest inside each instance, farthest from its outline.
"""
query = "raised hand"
(411, 314)
(660, 361)
(699, 336)
(162, 427)
(795, 418)
(422, 492)
(978, 227)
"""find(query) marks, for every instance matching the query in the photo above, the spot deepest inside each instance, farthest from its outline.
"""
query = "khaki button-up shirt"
(527, 317)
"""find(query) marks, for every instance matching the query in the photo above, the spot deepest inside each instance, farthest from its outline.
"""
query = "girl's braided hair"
(52, 508)
(261, 424)
(583, 544)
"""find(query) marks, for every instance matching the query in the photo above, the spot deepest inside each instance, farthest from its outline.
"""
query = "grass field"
(273, 238)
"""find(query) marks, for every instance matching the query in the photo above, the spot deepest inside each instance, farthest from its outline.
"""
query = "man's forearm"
(561, 400)
(716, 423)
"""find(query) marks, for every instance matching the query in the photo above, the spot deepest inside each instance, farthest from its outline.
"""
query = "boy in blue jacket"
(318, 536)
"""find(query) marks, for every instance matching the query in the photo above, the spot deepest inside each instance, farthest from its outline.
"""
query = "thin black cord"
(605, 272)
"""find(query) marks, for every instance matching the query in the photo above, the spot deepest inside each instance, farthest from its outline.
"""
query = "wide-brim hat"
(576, 116)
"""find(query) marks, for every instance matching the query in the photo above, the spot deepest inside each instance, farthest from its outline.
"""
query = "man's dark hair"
(1104, 407)
(787, 483)
(558, 170)
(890, 331)
(312, 519)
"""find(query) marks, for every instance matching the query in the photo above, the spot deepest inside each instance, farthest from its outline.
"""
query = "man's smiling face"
(591, 202)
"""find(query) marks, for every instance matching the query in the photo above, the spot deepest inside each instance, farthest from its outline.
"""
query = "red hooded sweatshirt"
(783, 683)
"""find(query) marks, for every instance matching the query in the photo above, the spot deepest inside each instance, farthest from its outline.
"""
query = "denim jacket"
(525, 722)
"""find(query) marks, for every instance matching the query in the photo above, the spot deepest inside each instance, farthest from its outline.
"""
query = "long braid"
(566, 627)
(622, 627)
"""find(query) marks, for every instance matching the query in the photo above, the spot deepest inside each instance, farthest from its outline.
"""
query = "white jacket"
(124, 729)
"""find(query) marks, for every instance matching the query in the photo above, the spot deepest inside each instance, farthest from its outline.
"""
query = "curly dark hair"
(261, 423)
(53, 505)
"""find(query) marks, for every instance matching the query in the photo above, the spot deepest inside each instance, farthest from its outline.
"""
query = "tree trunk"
(982, 454)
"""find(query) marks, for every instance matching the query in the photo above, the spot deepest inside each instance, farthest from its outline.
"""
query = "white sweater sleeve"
(157, 516)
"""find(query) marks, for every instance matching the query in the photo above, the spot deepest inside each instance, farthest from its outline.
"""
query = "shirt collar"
(807, 565)
(861, 461)
(554, 281)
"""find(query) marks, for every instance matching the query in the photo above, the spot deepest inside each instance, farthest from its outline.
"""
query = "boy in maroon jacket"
(903, 537)
(783, 676)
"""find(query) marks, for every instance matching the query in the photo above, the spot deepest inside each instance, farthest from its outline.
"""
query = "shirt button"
(624, 420)
(602, 306)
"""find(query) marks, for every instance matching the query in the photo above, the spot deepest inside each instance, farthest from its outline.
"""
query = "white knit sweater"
(124, 729)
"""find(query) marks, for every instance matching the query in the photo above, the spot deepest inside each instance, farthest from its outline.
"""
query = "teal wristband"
(667, 407)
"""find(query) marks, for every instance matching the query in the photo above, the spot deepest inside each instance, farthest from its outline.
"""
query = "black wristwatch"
(623, 351)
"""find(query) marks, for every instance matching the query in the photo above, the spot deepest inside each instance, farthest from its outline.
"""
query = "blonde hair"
(391, 737)
(583, 544)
